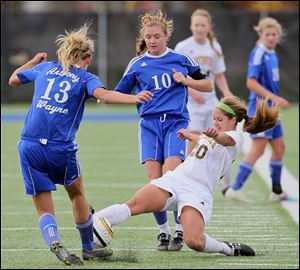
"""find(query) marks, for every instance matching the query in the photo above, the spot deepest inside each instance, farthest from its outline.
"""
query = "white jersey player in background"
(205, 49)
(190, 186)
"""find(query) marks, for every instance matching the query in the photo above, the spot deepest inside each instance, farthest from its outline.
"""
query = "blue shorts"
(270, 134)
(158, 139)
(44, 166)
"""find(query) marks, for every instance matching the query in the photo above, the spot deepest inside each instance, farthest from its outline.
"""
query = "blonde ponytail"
(74, 46)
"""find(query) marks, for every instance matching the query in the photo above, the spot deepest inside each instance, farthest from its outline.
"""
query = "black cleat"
(64, 255)
(164, 241)
(96, 253)
(240, 249)
(177, 242)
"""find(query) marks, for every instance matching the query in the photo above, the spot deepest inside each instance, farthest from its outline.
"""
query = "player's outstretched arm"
(38, 58)
(114, 97)
(220, 137)
(185, 134)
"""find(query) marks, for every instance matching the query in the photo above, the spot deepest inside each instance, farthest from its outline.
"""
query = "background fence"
(25, 34)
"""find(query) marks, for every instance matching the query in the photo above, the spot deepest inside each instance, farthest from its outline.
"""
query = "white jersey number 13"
(65, 86)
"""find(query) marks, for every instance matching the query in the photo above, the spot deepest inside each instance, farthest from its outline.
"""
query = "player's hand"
(179, 77)
(211, 132)
(281, 102)
(143, 96)
(183, 134)
(38, 58)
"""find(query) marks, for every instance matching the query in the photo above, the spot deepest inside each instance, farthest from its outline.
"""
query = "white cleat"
(237, 195)
(281, 197)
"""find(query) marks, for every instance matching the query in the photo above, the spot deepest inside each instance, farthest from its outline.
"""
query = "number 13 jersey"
(58, 100)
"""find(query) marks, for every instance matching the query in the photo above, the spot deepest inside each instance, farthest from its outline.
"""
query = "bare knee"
(258, 152)
(135, 206)
(278, 152)
(195, 243)
(75, 192)
(76, 189)
(154, 169)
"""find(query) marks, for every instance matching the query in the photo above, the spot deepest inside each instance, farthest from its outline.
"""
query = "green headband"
(225, 108)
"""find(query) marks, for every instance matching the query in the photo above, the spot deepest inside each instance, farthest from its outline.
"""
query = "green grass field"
(108, 153)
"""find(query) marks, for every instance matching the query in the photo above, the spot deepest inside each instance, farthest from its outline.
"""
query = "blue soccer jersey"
(264, 67)
(154, 73)
(58, 101)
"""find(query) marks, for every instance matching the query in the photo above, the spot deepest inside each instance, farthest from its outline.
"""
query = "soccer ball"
(102, 231)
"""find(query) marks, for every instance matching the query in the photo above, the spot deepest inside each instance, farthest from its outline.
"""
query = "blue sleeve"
(127, 83)
(93, 82)
(29, 75)
(254, 66)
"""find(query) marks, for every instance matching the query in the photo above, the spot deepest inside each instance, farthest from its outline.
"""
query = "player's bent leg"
(176, 243)
(193, 228)
(166, 243)
(43, 203)
(80, 205)
(154, 171)
(84, 222)
(149, 198)
(195, 238)
(276, 165)
(45, 208)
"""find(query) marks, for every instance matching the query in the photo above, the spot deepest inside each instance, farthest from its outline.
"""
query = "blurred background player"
(263, 82)
(47, 149)
(163, 72)
(189, 188)
(206, 51)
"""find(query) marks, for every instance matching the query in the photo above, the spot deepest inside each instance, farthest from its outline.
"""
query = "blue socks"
(161, 217)
(275, 172)
(244, 171)
(86, 233)
(48, 228)
(49, 232)
(162, 221)
(175, 213)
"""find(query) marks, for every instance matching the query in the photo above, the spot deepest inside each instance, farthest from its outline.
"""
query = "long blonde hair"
(211, 35)
(265, 117)
(150, 19)
(74, 46)
(269, 22)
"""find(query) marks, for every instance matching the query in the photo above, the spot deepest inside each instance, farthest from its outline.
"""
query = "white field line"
(250, 215)
(289, 182)
(236, 233)
(186, 249)
(142, 229)
(256, 212)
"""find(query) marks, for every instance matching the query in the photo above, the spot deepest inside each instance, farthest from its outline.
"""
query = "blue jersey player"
(167, 74)
(47, 150)
(263, 82)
